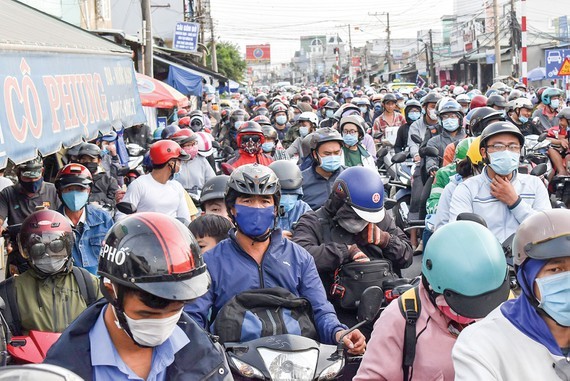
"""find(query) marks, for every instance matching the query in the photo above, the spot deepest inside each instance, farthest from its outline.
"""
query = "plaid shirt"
(380, 123)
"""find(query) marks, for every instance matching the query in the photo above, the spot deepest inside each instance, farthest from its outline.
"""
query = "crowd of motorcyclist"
(133, 265)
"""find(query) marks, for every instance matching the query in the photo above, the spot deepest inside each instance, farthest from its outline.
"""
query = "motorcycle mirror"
(541, 137)
(472, 217)
(428, 152)
(216, 145)
(508, 246)
(389, 203)
(126, 207)
(539, 170)
(228, 150)
(416, 139)
(378, 135)
(400, 157)
(370, 303)
(382, 152)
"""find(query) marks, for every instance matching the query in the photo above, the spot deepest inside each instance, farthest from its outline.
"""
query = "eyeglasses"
(38, 250)
(353, 132)
(503, 147)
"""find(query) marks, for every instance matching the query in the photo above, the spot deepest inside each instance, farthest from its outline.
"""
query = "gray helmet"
(289, 175)
(451, 106)
(253, 179)
(324, 135)
(89, 149)
(496, 100)
(564, 113)
(497, 128)
(215, 188)
(356, 120)
(389, 98)
(432, 97)
(514, 95)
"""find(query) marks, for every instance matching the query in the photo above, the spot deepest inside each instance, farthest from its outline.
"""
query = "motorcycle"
(292, 357)
(135, 166)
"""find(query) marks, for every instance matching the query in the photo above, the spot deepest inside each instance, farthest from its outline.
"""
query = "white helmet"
(523, 102)
(205, 147)
(458, 90)
(309, 116)
(463, 98)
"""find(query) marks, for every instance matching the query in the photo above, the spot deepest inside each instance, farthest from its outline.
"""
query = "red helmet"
(182, 112)
(164, 150)
(478, 101)
(46, 241)
(183, 136)
(262, 120)
(73, 174)
(184, 122)
(323, 102)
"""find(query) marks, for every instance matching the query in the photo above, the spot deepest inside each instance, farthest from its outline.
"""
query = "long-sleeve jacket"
(474, 196)
(440, 142)
(419, 128)
(284, 264)
(316, 188)
(103, 189)
(327, 242)
(385, 349)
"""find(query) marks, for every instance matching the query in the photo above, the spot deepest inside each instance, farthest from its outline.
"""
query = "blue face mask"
(555, 103)
(254, 222)
(75, 200)
(523, 119)
(281, 119)
(288, 201)
(104, 152)
(32, 186)
(414, 115)
(378, 107)
(268, 146)
(330, 163)
(349, 139)
(238, 124)
(450, 124)
(303, 131)
(504, 162)
(554, 296)
(329, 113)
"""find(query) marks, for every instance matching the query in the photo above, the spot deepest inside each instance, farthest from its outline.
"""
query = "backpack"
(410, 307)
(264, 312)
(11, 312)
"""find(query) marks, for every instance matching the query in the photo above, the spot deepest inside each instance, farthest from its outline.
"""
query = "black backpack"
(264, 312)
(11, 312)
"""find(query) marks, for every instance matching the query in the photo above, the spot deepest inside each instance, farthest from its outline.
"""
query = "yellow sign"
(565, 68)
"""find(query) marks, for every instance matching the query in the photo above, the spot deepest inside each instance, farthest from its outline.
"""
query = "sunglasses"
(38, 250)
(253, 138)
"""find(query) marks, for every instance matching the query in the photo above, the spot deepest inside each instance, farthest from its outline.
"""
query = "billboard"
(186, 36)
(258, 54)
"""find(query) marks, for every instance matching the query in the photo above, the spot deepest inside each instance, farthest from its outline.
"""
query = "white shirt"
(148, 195)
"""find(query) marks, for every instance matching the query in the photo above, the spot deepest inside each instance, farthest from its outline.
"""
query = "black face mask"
(92, 167)
(32, 186)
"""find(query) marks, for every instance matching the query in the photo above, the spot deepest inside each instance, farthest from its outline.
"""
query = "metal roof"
(24, 28)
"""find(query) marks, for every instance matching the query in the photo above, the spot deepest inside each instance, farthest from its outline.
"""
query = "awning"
(60, 84)
(448, 63)
(183, 79)
(477, 56)
(155, 93)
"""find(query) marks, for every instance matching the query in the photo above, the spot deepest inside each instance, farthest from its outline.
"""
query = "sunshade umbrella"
(155, 93)
(536, 74)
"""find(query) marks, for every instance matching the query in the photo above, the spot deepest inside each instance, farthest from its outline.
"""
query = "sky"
(281, 23)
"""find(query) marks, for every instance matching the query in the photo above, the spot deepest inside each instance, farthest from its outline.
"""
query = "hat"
(31, 169)
(305, 107)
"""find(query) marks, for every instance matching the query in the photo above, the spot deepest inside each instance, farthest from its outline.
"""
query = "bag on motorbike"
(351, 279)
(264, 312)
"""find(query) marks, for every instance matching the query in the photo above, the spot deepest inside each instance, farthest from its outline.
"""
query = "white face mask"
(152, 332)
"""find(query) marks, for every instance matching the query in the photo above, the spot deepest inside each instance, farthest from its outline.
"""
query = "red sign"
(355, 61)
(258, 53)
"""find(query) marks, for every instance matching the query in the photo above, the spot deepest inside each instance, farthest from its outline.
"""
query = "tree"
(230, 62)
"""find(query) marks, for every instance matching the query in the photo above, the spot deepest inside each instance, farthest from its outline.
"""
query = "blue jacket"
(201, 359)
(86, 249)
(285, 264)
(316, 188)
(287, 221)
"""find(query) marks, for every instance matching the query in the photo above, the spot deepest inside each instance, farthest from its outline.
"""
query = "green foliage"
(230, 62)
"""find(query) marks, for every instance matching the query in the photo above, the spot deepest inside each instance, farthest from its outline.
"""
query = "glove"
(356, 255)
(376, 236)
(433, 169)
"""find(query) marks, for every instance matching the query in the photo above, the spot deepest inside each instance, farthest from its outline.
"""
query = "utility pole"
(213, 46)
(388, 34)
(199, 16)
(431, 66)
(148, 40)
(523, 42)
(497, 41)
(514, 40)
(350, 55)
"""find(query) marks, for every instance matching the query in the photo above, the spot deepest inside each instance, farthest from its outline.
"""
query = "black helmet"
(154, 253)
(289, 175)
(261, 98)
(250, 127)
(420, 94)
(238, 116)
(496, 100)
(215, 188)
(496, 128)
(333, 105)
(74, 151)
(481, 117)
(431, 97)
(89, 149)
(32, 168)
(323, 135)
(389, 98)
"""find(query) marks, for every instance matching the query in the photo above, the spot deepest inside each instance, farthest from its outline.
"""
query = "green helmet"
(465, 263)
(462, 148)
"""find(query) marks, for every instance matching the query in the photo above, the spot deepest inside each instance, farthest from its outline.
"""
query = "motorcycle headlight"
(331, 371)
(245, 369)
(290, 365)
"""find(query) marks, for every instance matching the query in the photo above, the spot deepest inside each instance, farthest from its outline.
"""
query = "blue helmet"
(361, 188)
(157, 134)
(548, 93)
(465, 263)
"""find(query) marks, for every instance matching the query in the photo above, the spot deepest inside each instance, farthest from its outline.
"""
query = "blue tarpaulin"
(184, 81)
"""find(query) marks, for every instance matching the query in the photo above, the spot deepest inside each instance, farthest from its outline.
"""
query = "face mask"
(238, 124)
(465, 110)
(152, 332)
(363, 109)
(554, 294)
(192, 151)
(281, 119)
(504, 162)
(104, 152)
(400, 104)
(251, 147)
(75, 200)
(288, 201)
(450, 124)
(296, 117)
(378, 107)
(268, 146)
(554, 103)
(92, 167)
(329, 113)
(523, 119)
(349, 139)
(352, 225)
(414, 115)
(50, 266)
(330, 163)
(196, 127)
(447, 311)
(254, 222)
(303, 131)
(32, 186)
(176, 176)
(432, 115)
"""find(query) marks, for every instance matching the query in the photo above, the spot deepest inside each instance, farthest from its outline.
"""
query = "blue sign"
(186, 36)
(52, 100)
(161, 122)
(553, 59)
(420, 82)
